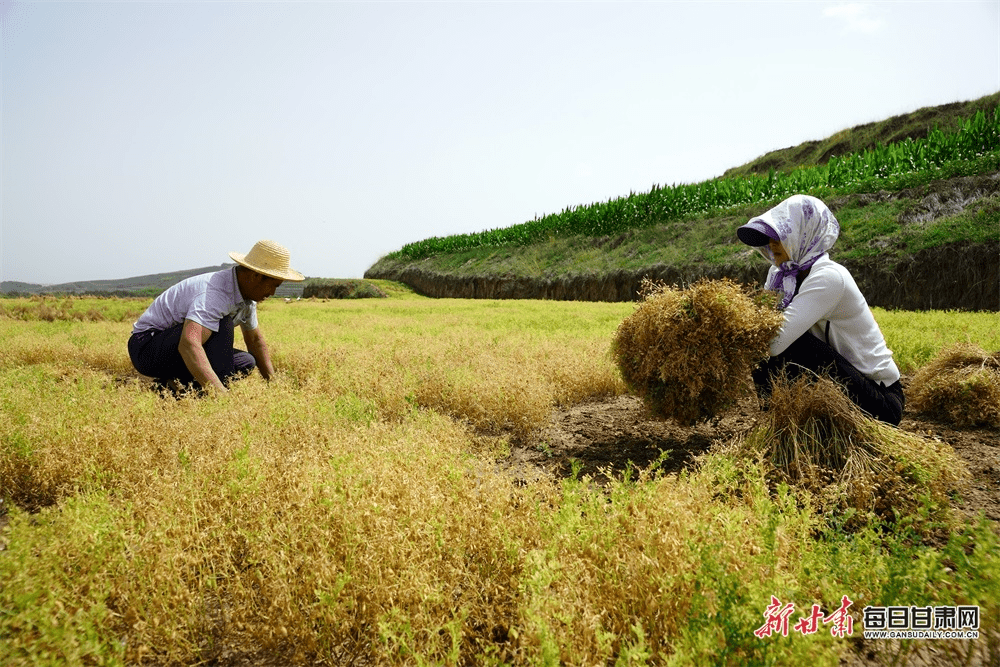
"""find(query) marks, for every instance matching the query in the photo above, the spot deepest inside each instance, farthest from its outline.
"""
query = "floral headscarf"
(806, 229)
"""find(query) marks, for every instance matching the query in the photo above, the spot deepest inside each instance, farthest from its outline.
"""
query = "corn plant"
(976, 139)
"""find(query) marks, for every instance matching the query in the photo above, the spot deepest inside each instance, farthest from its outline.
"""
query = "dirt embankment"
(960, 276)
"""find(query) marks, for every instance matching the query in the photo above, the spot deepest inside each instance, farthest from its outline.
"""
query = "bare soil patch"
(607, 437)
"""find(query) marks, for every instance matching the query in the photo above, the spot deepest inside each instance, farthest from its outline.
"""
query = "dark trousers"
(810, 353)
(156, 354)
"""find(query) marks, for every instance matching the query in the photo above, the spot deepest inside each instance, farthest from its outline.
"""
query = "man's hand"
(257, 346)
(193, 339)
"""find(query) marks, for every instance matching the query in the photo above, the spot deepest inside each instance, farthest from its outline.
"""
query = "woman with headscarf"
(828, 326)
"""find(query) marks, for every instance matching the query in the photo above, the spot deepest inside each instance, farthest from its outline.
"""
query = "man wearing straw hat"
(186, 334)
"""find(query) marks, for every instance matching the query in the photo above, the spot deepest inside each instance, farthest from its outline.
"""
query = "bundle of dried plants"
(815, 438)
(961, 385)
(689, 352)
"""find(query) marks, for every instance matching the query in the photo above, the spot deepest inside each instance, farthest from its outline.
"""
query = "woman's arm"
(818, 295)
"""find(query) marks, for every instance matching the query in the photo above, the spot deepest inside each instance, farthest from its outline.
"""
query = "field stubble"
(373, 504)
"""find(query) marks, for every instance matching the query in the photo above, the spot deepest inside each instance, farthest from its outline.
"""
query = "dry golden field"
(398, 495)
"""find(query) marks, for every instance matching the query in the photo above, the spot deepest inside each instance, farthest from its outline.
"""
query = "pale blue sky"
(144, 137)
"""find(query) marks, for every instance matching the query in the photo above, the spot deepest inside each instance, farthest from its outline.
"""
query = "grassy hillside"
(914, 125)
(147, 285)
(890, 214)
(869, 225)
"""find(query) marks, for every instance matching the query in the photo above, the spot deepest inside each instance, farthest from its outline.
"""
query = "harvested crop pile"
(961, 385)
(815, 438)
(689, 352)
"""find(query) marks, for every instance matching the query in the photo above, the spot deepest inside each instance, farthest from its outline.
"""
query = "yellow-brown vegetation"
(688, 352)
(352, 510)
(815, 437)
(48, 308)
(961, 385)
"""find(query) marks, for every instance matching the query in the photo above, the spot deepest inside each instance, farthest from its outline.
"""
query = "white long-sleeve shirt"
(830, 295)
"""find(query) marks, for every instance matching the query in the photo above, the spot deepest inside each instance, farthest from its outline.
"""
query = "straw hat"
(270, 259)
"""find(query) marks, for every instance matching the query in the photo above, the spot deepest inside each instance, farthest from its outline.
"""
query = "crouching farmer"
(828, 327)
(186, 334)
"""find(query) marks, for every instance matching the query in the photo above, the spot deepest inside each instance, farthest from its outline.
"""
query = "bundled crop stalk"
(961, 385)
(814, 437)
(689, 352)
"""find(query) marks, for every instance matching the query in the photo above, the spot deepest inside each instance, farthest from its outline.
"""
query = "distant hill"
(914, 125)
(148, 285)
(910, 224)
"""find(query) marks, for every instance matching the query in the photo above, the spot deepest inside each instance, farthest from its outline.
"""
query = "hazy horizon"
(139, 138)
(179, 269)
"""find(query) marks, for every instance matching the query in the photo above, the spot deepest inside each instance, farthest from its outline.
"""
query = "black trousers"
(810, 353)
(156, 354)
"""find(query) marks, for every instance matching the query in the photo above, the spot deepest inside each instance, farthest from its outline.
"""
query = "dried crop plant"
(309, 531)
(505, 380)
(330, 517)
(814, 437)
(689, 352)
(961, 385)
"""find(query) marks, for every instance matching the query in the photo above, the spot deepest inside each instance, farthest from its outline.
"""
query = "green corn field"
(973, 147)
